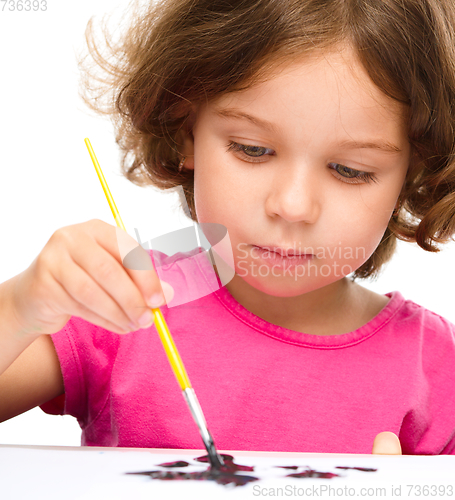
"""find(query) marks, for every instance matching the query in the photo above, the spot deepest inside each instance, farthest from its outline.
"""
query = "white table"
(89, 473)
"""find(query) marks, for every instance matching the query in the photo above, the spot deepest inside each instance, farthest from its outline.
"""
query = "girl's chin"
(279, 286)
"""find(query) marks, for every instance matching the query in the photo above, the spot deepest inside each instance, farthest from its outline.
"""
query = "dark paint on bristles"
(216, 461)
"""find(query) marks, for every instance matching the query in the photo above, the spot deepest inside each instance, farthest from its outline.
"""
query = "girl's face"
(313, 159)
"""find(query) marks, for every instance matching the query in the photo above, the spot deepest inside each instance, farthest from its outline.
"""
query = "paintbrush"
(173, 355)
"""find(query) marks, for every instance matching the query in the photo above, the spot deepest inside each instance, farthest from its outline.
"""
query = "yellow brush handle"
(160, 323)
(171, 351)
(104, 185)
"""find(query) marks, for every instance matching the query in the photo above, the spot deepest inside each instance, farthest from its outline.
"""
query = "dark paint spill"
(218, 476)
(226, 474)
(314, 473)
(179, 463)
(229, 465)
(363, 469)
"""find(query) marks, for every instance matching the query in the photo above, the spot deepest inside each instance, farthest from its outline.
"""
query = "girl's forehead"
(329, 81)
(321, 104)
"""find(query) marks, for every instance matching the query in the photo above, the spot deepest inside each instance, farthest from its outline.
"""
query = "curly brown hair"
(177, 53)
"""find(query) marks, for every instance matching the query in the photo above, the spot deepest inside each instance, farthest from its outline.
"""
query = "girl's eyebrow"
(380, 144)
(234, 113)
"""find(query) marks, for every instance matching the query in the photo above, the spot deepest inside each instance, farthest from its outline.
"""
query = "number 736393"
(23, 5)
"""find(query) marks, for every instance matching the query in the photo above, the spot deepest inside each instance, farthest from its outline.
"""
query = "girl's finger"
(75, 308)
(386, 443)
(83, 289)
(118, 243)
(114, 279)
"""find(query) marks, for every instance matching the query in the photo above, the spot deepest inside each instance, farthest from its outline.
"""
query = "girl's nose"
(296, 195)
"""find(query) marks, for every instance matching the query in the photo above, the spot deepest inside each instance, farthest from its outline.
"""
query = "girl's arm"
(32, 379)
(30, 372)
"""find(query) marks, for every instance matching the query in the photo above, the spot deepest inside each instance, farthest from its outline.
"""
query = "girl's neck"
(339, 308)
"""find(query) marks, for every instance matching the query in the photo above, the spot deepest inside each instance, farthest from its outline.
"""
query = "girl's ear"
(187, 149)
(185, 141)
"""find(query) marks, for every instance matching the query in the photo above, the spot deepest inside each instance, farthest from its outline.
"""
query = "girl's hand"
(79, 272)
(386, 443)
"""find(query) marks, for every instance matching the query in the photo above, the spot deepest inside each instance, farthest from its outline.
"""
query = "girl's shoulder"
(416, 320)
(403, 320)
(413, 309)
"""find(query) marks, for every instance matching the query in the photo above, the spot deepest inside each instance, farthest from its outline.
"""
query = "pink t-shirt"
(261, 386)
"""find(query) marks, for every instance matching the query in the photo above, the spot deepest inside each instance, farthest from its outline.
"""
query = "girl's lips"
(273, 258)
(290, 252)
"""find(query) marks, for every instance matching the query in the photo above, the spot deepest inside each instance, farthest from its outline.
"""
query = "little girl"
(317, 132)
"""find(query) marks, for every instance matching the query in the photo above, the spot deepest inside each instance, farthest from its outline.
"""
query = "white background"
(47, 179)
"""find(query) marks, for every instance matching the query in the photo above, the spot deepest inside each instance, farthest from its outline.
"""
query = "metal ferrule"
(198, 416)
(196, 410)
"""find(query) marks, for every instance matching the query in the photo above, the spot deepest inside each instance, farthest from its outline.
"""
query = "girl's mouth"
(276, 256)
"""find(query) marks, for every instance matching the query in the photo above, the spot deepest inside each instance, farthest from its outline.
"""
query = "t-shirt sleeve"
(438, 363)
(86, 354)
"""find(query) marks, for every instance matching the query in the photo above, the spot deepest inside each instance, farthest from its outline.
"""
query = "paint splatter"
(313, 473)
(220, 477)
(227, 474)
(178, 463)
(229, 465)
(363, 469)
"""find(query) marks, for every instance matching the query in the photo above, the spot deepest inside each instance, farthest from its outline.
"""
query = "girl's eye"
(352, 176)
(255, 153)
(250, 153)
